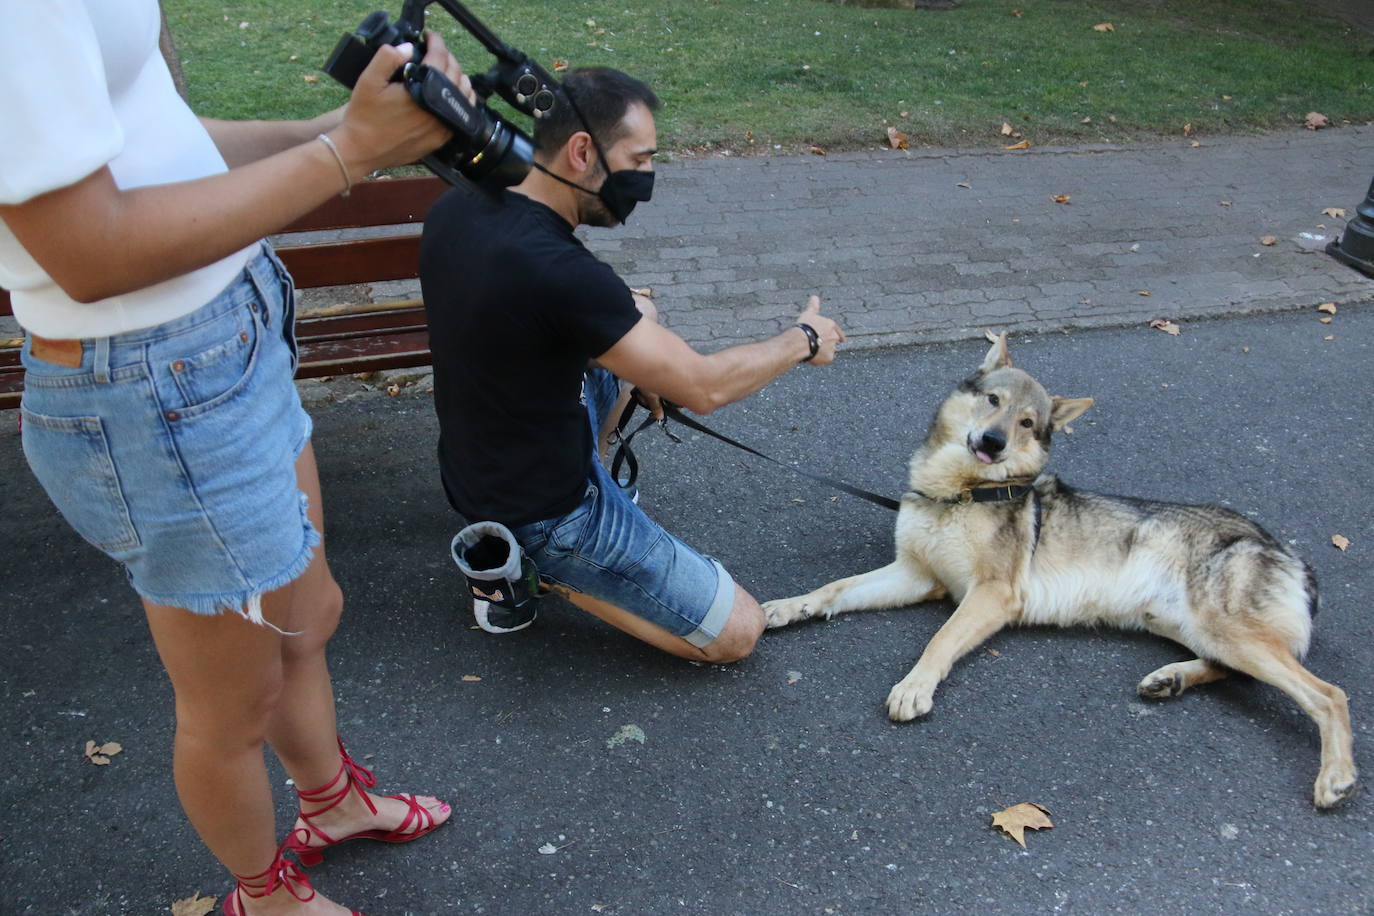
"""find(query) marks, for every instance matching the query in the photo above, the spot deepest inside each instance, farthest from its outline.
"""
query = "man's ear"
(581, 152)
(1064, 411)
(998, 357)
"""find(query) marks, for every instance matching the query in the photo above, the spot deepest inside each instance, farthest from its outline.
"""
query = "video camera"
(485, 148)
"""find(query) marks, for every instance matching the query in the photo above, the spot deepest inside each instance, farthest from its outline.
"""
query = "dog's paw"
(1335, 783)
(909, 700)
(1161, 684)
(783, 611)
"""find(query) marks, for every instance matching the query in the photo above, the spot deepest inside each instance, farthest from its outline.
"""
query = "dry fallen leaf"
(1009, 131)
(1337, 212)
(1340, 541)
(1014, 821)
(896, 139)
(1168, 327)
(1269, 241)
(818, 151)
(1104, 27)
(965, 185)
(100, 754)
(1060, 198)
(1024, 144)
(1326, 319)
(393, 389)
(1188, 130)
(311, 78)
(1195, 145)
(1328, 308)
(1144, 292)
(1315, 120)
(1017, 13)
(1226, 203)
(471, 677)
(194, 906)
(560, 65)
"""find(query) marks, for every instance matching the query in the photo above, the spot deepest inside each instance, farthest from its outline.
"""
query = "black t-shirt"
(517, 307)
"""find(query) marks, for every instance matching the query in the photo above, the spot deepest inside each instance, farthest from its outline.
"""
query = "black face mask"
(622, 189)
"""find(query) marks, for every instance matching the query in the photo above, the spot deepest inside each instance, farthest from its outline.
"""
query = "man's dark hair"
(603, 95)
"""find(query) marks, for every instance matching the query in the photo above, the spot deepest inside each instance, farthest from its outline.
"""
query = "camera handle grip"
(437, 94)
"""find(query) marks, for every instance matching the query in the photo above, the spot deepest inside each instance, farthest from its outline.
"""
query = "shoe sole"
(481, 610)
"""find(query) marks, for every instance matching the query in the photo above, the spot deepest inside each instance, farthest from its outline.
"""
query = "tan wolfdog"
(984, 524)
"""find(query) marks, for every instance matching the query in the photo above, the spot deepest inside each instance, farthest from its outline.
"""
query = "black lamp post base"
(1355, 247)
(1363, 265)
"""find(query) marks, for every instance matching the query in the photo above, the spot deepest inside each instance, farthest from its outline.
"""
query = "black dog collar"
(993, 493)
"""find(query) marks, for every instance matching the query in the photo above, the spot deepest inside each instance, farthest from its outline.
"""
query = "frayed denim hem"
(248, 602)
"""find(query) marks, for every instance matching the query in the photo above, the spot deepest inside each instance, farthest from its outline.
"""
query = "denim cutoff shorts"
(609, 549)
(172, 448)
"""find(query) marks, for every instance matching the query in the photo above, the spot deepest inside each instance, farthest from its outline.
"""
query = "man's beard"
(595, 213)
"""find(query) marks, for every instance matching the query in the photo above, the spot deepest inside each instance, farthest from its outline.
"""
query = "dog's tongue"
(983, 457)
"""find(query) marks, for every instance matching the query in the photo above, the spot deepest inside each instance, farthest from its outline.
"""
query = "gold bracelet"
(348, 182)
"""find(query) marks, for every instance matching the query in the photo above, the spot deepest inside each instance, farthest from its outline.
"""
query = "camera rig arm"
(526, 86)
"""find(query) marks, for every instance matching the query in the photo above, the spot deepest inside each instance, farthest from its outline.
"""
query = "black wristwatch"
(813, 340)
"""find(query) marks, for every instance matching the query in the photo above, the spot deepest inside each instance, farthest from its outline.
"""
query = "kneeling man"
(532, 335)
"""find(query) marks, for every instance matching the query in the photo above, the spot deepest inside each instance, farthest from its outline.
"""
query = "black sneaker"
(497, 619)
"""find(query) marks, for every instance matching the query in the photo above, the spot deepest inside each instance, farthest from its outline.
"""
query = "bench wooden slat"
(369, 323)
(5, 308)
(405, 350)
(357, 261)
(375, 203)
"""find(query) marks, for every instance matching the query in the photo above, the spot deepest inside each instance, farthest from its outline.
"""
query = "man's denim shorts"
(172, 449)
(609, 549)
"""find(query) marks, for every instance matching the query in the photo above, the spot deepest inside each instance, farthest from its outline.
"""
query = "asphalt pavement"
(593, 775)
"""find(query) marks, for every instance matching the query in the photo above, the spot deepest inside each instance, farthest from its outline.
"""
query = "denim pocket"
(70, 456)
(568, 533)
(214, 374)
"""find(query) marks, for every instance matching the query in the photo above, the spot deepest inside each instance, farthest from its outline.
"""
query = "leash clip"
(663, 425)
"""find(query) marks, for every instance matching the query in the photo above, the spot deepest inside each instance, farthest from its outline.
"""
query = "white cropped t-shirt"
(83, 85)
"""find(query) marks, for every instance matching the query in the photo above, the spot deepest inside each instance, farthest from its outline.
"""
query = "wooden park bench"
(345, 337)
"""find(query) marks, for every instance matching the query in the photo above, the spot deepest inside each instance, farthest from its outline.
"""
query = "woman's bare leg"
(302, 730)
(238, 685)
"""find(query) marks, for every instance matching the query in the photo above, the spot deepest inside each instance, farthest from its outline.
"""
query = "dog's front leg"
(901, 582)
(987, 608)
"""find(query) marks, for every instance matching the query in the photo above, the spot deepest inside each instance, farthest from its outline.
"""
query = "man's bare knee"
(741, 632)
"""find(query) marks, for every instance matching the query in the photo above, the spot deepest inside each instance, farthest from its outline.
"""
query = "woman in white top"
(159, 411)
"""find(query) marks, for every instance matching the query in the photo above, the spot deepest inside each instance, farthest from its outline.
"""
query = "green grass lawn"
(752, 75)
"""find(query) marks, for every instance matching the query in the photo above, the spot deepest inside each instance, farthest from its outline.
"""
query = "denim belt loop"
(264, 286)
(101, 362)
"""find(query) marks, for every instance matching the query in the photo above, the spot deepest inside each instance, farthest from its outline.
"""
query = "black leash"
(625, 457)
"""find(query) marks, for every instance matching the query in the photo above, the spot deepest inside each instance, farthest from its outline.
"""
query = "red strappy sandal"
(281, 873)
(353, 776)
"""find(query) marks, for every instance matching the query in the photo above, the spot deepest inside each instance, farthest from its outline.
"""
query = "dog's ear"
(998, 357)
(1064, 411)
